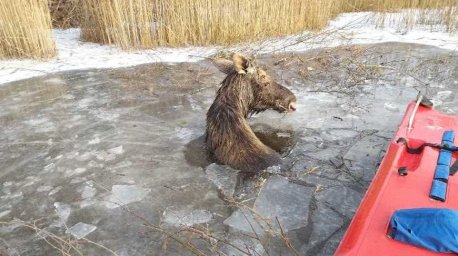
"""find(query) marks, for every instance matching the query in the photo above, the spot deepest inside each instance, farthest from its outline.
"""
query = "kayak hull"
(389, 191)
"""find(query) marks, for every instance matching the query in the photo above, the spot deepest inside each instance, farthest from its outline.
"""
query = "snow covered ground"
(347, 28)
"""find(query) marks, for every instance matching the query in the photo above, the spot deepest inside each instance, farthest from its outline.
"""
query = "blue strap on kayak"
(438, 190)
(445, 157)
(439, 186)
(442, 172)
(448, 136)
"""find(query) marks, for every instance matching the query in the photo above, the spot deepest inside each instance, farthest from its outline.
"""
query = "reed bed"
(150, 23)
(393, 5)
(203, 22)
(25, 25)
(428, 19)
(427, 13)
(125, 23)
(146, 23)
(25, 29)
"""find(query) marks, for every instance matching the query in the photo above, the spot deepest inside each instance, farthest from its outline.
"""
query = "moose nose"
(292, 106)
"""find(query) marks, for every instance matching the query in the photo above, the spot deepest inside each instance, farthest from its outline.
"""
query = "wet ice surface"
(116, 157)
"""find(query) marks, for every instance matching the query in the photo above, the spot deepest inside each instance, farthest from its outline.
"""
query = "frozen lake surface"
(107, 162)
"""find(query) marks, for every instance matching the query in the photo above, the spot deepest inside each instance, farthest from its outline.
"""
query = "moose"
(246, 90)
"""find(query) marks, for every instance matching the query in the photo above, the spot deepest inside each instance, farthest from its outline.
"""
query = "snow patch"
(54, 191)
(117, 150)
(96, 140)
(4, 213)
(70, 173)
(44, 188)
(7, 183)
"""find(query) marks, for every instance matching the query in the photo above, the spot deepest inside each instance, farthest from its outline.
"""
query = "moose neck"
(239, 93)
(228, 113)
(229, 137)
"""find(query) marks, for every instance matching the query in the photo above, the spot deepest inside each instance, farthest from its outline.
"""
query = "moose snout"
(292, 106)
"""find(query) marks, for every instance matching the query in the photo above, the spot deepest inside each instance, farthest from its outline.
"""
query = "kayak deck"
(389, 191)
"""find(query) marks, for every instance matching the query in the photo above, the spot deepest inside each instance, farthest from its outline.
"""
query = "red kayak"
(403, 180)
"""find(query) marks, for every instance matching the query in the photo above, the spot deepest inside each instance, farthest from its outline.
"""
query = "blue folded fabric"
(435, 229)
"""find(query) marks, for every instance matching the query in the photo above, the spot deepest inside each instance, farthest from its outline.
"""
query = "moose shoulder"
(247, 89)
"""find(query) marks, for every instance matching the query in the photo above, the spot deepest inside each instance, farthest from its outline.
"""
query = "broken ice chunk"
(63, 211)
(125, 194)
(224, 178)
(117, 150)
(176, 217)
(88, 192)
(81, 230)
(279, 200)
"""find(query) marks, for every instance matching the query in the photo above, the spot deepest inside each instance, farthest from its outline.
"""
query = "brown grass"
(25, 29)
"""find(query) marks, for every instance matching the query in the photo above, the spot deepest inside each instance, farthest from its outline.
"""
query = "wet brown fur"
(245, 90)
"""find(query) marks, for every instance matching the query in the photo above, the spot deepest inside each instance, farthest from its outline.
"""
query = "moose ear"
(241, 64)
(225, 66)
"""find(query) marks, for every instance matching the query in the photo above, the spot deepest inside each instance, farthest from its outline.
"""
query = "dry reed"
(393, 5)
(443, 13)
(124, 23)
(25, 29)
(25, 24)
(148, 23)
